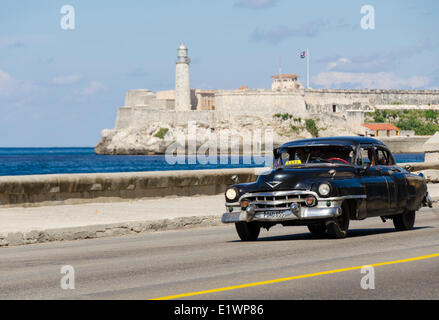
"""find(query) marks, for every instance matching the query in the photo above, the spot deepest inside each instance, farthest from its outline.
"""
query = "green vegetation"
(296, 124)
(284, 116)
(423, 122)
(295, 129)
(311, 127)
(161, 133)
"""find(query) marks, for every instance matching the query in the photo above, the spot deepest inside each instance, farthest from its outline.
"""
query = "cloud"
(256, 4)
(338, 62)
(379, 80)
(67, 80)
(10, 86)
(377, 61)
(138, 72)
(6, 83)
(92, 88)
(278, 34)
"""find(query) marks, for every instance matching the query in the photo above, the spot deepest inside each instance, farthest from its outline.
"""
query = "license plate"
(275, 214)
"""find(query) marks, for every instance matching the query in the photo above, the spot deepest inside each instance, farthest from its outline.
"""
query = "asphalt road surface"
(190, 263)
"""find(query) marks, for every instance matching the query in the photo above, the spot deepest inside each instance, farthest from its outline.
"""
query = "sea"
(31, 161)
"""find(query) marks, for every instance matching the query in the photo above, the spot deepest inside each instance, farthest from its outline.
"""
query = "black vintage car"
(323, 183)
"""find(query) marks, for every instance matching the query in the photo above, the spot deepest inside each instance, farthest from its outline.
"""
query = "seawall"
(39, 190)
(402, 144)
(43, 190)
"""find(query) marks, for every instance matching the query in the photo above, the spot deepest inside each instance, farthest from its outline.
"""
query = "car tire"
(248, 231)
(404, 221)
(338, 228)
(317, 229)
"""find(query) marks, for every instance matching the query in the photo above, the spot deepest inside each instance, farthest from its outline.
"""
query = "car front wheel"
(248, 231)
(338, 228)
(317, 229)
(405, 221)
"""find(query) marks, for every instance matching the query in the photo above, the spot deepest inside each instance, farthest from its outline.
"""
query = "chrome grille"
(275, 201)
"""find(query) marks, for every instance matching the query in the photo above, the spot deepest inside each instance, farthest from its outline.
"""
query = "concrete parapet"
(402, 144)
(418, 166)
(40, 190)
(431, 148)
(56, 189)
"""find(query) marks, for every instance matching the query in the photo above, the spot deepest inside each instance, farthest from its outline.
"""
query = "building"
(182, 82)
(381, 130)
(144, 111)
(286, 81)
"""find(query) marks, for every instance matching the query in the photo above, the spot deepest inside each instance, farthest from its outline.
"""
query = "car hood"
(296, 178)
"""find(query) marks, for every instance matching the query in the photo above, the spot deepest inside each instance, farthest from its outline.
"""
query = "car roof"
(340, 141)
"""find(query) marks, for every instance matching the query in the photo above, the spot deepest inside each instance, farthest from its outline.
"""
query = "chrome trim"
(344, 197)
(276, 202)
(234, 204)
(278, 194)
(305, 213)
(299, 192)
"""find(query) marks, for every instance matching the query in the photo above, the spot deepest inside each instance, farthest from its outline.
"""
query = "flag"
(303, 55)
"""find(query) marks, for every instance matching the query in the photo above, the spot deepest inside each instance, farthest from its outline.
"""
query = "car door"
(395, 179)
(374, 182)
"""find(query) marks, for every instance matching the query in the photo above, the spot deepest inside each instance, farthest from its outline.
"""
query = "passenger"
(371, 158)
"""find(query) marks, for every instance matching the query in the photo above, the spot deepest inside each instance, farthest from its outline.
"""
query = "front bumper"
(305, 213)
(428, 201)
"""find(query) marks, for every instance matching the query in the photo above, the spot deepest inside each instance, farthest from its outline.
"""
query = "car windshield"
(314, 155)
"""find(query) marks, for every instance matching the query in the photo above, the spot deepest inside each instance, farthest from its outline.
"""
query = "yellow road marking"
(309, 275)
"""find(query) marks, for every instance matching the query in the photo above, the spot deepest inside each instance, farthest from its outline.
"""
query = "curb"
(113, 230)
(107, 230)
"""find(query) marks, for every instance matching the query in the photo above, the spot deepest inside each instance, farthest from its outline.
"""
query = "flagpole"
(307, 68)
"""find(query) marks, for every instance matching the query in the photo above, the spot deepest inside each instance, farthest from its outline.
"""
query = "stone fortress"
(149, 122)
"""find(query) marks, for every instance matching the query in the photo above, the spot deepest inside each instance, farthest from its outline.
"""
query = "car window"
(366, 156)
(315, 155)
(382, 158)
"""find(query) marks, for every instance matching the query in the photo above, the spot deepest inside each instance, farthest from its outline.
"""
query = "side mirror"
(365, 166)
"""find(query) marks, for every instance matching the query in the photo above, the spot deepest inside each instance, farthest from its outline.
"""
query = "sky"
(60, 87)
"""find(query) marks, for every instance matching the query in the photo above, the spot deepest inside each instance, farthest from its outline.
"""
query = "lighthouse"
(182, 83)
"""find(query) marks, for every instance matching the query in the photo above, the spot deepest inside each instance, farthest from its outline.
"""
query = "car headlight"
(231, 194)
(324, 189)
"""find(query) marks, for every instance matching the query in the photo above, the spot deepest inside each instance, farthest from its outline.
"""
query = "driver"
(371, 158)
(301, 155)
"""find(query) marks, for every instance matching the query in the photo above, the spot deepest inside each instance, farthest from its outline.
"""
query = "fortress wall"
(124, 118)
(166, 95)
(327, 96)
(138, 97)
(261, 102)
(140, 118)
(406, 107)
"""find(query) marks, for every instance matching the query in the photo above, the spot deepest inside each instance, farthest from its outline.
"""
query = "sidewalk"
(94, 220)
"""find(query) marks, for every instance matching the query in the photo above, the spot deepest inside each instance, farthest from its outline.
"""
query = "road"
(164, 264)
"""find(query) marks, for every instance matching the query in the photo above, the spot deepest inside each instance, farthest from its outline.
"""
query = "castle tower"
(182, 84)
